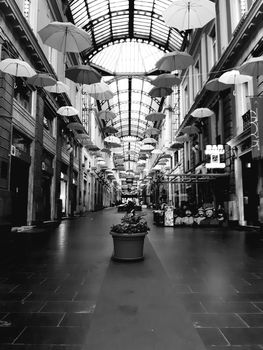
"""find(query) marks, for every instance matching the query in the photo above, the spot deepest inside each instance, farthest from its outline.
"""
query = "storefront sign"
(215, 153)
(257, 127)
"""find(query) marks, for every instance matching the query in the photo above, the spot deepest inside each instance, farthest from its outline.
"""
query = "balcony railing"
(246, 120)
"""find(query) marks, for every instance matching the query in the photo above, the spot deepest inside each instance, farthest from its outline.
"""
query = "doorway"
(19, 191)
(250, 184)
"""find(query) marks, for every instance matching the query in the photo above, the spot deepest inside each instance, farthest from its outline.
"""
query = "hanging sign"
(256, 115)
(216, 154)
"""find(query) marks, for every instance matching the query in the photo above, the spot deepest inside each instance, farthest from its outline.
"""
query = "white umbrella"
(215, 85)
(106, 115)
(67, 111)
(99, 91)
(189, 14)
(155, 116)
(41, 80)
(234, 77)
(65, 37)
(174, 60)
(166, 80)
(147, 147)
(17, 67)
(58, 88)
(252, 67)
(111, 139)
(202, 113)
(157, 151)
(149, 140)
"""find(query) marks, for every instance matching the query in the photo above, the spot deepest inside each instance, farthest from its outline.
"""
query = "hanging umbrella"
(75, 126)
(147, 147)
(215, 85)
(157, 151)
(106, 150)
(83, 74)
(182, 138)
(234, 77)
(82, 136)
(41, 80)
(110, 130)
(166, 80)
(162, 162)
(174, 60)
(165, 156)
(65, 37)
(152, 131)
(58, 88)
(67, 111)
(17, 67)
(92, 147)
(149, 140)
(190, 130)
(110, 139)
(189, 14)
(106, 115)
(252, 67)
(99, 91)
(202, 113)
(155, 117)
(176, 145)
(160, 91)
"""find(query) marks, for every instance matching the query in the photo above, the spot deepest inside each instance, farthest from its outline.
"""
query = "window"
(211, 48)
(23, 94)
(197, 77)
(52, 57)
(185, 100)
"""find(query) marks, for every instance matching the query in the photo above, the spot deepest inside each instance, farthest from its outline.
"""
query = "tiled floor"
(50, 282)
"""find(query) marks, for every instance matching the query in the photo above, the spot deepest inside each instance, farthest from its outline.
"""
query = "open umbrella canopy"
(152, 131)
(149, 140)
(234, 77)
(176, 145)
(17, 67)
(160, 91)
(83, 74)
(67, 111)
(252, 67)
(106, 115)
(58, 88)
(82, 137)
(99, 91)
(106, 150)
(112, 139)
(215, 85)
(157, 151)
(190, 130)
(155, 117)
(182, 139)
(65, 37)
(75, 126)
(166, 80)
(41, 80)
(189, 14)
(147, 148)
(174, 60)
(202, 113)
(110, 130)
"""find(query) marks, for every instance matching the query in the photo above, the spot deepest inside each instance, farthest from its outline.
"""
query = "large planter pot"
(128, 247)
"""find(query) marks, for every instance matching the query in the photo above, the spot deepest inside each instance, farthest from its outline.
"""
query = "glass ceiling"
(128, 37)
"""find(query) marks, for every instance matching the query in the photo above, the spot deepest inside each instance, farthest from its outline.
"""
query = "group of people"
(204, 215)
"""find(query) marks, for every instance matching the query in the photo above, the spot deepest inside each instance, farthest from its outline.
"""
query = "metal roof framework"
(135, 28)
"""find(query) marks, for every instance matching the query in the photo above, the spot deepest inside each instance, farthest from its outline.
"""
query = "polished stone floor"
(58, 288)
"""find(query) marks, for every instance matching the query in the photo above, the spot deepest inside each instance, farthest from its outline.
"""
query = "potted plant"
(128, 237)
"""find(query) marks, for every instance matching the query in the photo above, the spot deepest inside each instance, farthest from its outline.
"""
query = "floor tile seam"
(253, 303)
(19, 335)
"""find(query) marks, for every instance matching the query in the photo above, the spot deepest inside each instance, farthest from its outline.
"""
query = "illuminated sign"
(215, 153)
